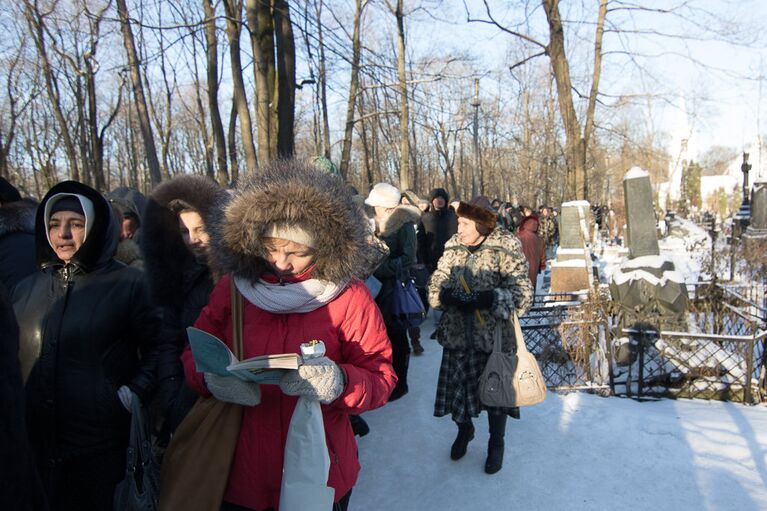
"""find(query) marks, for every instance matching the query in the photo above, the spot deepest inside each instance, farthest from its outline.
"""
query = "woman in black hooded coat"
(180, 280)
(87, 330)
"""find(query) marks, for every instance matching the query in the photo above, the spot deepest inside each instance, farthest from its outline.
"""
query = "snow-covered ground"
(573, 452)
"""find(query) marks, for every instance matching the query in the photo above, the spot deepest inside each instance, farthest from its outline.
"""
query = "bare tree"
(138, 93)
(351, 100)
(233, 9)
(212, 87)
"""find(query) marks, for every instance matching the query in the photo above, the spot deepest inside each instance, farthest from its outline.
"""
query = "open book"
(211, 355)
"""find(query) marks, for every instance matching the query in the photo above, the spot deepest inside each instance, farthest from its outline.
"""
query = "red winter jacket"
(355, 338)
(533, 246)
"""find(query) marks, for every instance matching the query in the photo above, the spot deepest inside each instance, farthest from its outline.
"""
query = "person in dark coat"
(395, 226)
(533, 247)
(20, 489)
(17, 235)
(439, 224)
(88, 337)
(129, 204)
(180, 279)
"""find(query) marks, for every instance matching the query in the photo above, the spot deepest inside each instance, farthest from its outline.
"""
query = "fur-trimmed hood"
(291, 192)
(401, 215)
(166, 257)
(18, 216)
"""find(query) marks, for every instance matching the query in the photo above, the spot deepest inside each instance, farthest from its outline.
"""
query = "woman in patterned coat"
(489, 260)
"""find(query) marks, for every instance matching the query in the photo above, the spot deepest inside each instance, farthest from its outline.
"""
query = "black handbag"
(407, 310)
(140, 490)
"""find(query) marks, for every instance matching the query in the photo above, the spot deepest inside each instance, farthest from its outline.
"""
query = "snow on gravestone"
(640, 216)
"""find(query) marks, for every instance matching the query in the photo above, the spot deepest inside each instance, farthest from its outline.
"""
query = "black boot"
(495, 445)
(465, 435)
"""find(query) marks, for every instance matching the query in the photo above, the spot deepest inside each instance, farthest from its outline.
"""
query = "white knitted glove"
(233, 390)
(318, 378)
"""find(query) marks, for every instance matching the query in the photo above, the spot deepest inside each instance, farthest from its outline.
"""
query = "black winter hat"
(439, 192)
(8, 192)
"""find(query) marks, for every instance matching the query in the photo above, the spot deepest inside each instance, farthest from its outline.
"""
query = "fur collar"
(167, 261)
(292, 192)
(18, 216)
(400, 216)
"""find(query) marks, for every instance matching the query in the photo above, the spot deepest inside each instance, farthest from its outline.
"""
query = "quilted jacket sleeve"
(515, 291)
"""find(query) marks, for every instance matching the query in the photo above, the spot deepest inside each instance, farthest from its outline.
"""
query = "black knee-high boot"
(495, 445)
(461, 443)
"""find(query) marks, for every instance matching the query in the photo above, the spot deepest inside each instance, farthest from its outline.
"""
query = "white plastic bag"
(306, 465)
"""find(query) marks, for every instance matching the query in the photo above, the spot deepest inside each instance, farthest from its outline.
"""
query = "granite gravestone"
(640, 214)
(645, 282)
(572, 270)
(758, 226)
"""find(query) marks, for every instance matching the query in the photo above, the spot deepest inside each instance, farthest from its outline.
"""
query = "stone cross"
(640, 214)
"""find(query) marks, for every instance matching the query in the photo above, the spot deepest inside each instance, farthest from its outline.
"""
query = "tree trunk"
(588, 128)
(286, 79)
(217, 127)
(323, 85)
(404, 123)
(575, 153)
(35, 22)
(346, 150)
(233, 10)
(138, 92)
(262, 44)
(232, 140)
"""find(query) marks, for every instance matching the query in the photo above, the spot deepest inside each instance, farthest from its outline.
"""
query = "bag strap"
(521, 347)
(237, 319)
(498, 338)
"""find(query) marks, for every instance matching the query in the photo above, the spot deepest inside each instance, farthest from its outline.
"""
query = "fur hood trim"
(18, 216)
(165, 254)
(292, 193)
(400, 216)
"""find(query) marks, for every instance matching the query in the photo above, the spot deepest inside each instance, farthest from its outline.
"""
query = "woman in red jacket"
(292, 239)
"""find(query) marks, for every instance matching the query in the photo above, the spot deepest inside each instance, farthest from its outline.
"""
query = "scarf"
(298, 297)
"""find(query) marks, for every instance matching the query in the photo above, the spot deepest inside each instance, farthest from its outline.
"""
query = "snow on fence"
(722, 356)
(583, 343)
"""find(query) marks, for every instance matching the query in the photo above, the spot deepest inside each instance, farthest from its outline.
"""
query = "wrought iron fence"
(720, 355)
(571, 349)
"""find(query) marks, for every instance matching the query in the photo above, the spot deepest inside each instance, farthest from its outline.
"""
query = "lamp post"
(475, 104)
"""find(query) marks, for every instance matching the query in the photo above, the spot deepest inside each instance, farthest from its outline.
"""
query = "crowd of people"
(97, 292)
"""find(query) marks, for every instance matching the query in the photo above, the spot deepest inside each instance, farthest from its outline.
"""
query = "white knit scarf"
(296, 297)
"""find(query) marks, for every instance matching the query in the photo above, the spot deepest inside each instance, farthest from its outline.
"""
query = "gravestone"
(572, 270)
(640, 214)
(646, 283)
(758, 226)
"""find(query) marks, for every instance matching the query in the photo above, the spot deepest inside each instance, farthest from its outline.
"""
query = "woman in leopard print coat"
(491, 263)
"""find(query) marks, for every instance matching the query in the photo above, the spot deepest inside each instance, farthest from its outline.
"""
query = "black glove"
(458, 299)
(485, 299)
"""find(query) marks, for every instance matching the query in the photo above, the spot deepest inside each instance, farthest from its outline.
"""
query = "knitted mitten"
(319, 378)
(233, 390)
